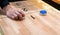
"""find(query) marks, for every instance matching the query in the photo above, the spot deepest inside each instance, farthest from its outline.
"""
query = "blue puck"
(43, 12)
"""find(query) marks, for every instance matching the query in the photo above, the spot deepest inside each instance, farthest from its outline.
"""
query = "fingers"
(20, 17)
(16, 15)
(22, 13)
(10, 16)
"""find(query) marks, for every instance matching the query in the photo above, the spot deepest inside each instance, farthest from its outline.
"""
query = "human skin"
(13, 12)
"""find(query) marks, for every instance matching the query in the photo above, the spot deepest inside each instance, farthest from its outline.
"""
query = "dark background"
(57, 6)
(14, 0)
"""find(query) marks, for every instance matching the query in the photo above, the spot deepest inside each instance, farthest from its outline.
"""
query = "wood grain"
(57, 1)
(41, 25)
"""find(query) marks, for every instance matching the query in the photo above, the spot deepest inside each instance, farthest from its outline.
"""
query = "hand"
(13, 12)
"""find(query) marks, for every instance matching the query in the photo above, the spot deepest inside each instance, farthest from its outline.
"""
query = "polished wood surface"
(57, 1)
(41, 25)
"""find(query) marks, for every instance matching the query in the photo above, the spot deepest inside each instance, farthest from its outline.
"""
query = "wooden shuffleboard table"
(34, 23)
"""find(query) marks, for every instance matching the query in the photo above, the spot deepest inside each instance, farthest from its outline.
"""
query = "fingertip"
(21, 19)
(22, 13)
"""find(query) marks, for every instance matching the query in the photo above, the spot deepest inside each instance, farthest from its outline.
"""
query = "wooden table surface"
(56, 1)
(41, 25)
